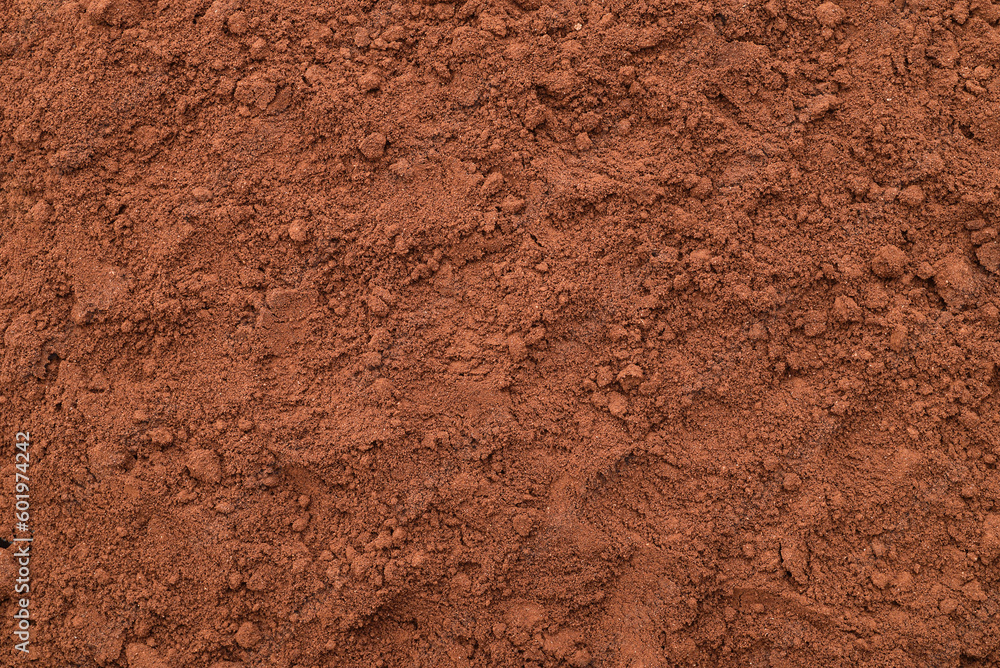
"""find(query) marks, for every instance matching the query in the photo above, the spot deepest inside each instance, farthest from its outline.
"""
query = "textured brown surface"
(369, 334)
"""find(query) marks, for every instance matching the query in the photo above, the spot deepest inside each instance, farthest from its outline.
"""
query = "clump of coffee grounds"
(504, 333)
